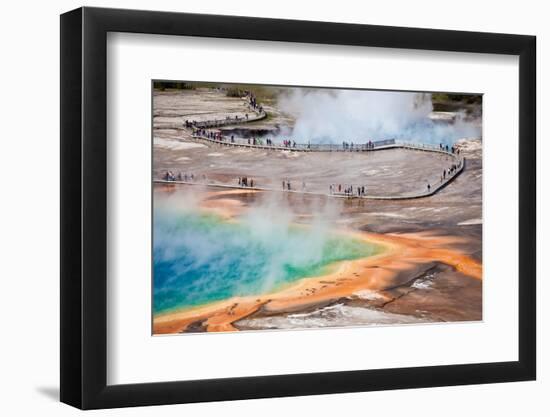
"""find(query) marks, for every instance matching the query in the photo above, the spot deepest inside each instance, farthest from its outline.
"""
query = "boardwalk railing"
(200, 132)
(228, 121)
(295, 147)
(419, 194)
(322, 147)
(214, 123)
(435, 186)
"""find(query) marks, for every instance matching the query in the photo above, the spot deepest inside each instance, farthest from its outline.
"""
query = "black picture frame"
(84, 207)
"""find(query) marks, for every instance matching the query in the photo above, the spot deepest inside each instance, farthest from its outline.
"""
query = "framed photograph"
(257, 208)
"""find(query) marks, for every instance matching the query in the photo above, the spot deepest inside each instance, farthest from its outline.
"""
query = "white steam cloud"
(334, 116)
(198, 262)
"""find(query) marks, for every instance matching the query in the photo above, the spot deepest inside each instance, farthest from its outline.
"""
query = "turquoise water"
(201, 258)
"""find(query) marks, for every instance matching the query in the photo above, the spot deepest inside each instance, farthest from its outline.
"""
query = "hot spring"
(201, 258)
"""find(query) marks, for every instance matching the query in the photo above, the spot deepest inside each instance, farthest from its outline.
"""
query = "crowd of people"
(210, 134)
(454, 149)
(193, 124)
(348, 190)
(350, 146)
(246, 182)
(199, 129)
(255, 141)
(292, 144)
(254, 103)
(182, 176)
(217, 135)
(449, 172)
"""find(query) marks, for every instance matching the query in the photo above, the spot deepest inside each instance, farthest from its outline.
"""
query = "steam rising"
(333, 116)
(201, 258)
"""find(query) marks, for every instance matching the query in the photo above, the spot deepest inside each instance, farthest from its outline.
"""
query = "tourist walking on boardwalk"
(288, 185)
(284, 185)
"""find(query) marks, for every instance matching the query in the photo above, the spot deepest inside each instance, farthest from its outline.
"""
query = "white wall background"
(29, 219)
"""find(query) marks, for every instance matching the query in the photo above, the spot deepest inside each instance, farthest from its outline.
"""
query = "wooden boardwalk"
(426, 193)
(375, 146)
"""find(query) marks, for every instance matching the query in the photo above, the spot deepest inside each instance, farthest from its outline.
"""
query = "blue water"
(201, 258)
